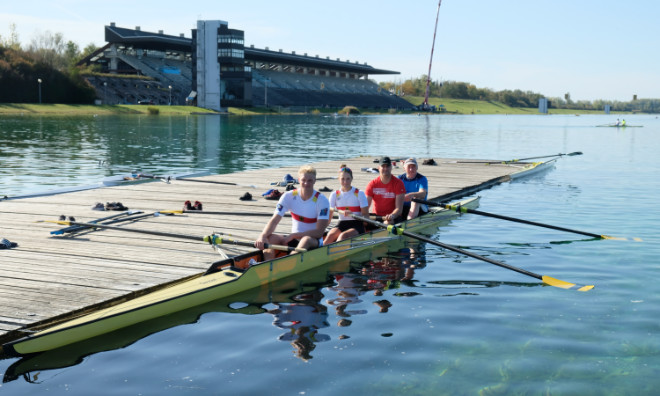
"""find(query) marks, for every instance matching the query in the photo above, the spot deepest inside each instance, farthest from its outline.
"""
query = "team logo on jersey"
(279, 207)
(324, 212)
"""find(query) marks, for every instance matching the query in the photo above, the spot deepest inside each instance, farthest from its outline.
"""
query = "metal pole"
(170, 95)
(39, 80)
(428, 80)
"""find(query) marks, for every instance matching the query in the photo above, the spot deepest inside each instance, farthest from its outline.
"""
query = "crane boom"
(428, 77)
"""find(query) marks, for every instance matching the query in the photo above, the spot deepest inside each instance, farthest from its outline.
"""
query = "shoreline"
(451, 107)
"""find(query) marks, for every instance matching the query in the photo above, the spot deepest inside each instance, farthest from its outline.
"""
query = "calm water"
(452, 325)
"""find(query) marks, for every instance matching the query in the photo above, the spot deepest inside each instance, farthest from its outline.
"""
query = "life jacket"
(355, 209)
(301, 218)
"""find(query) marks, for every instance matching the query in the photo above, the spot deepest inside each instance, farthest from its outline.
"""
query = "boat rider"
(310, 216)
(386, 193)
(417, 186)
(345, 201)
(623, 122)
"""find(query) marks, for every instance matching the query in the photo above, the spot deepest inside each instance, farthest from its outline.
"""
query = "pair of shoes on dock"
(190, 206)
(63, 218)
(272, 194)
(5, 244)
(115, 206)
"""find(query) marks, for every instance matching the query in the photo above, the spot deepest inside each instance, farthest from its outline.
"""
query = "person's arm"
(398, 208)
(268, 230)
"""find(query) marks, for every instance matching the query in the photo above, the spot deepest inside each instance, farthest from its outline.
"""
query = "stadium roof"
(163, 42)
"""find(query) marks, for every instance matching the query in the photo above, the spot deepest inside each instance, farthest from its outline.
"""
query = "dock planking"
(48, 276)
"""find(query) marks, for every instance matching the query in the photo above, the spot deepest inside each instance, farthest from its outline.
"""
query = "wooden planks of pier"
(50, 276)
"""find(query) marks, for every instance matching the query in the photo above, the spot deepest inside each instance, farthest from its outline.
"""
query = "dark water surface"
(415, 320)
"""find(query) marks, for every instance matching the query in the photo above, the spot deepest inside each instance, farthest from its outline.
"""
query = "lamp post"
(170, 95)
(105, 92)
(39, 80)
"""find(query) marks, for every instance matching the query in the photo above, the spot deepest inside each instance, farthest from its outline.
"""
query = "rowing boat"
(620, 126)
(223, 278)
(533, 168)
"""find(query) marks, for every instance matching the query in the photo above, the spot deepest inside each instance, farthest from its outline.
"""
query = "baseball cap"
(410, 161)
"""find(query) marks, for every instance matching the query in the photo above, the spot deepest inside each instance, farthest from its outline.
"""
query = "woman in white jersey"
(345, 201)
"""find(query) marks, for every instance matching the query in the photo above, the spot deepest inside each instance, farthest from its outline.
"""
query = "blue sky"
(590, 49)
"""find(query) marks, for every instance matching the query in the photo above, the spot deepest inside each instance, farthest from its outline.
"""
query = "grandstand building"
(214, 69)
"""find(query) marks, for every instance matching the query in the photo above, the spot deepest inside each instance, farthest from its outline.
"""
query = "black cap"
(385, 161)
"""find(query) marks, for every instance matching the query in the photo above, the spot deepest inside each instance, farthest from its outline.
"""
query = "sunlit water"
(457, 326)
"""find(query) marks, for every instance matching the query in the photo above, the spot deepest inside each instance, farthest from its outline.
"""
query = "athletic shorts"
(295, 242)
(345, 225)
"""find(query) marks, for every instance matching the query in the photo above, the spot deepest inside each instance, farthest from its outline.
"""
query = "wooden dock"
(49, 276)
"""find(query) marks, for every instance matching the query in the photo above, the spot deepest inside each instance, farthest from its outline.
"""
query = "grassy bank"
(462, 106)
(62, 109)
(451, 106)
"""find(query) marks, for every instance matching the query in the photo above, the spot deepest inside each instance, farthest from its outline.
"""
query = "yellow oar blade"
(621, 239)
(563, 284)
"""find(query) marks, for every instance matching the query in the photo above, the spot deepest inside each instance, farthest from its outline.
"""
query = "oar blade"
(564, 285)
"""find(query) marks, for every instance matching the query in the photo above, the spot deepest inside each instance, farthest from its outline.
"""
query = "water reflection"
(302, 319)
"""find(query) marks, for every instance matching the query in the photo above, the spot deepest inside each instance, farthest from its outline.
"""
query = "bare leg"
(414, 210)
(308, 242)
(347, 234)
(332, 236)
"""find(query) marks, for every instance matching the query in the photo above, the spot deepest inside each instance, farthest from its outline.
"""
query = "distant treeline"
(513, 98)
(47, 58)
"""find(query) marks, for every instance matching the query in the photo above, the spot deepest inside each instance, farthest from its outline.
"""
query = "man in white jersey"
(310, 213)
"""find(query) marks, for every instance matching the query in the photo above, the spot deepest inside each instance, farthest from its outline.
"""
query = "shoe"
(187, 206)
(197, 205)
(429, 161)
(98, 206)
(71, 218)
(274, 195)
(290, 187)
(62, 218)
(325, 189)
(115, 206)
(246, 197)
(5, 244)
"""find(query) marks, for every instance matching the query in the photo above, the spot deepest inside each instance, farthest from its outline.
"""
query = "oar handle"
(215, 239)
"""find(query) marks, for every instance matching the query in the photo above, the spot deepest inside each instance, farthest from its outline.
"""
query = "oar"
(519, 159)
(216, 182)
(220, 213)
(210, 239)
(169, 178)
(462, 209)
(546, 279)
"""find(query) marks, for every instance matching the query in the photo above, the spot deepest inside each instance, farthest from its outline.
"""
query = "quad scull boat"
(224, 278)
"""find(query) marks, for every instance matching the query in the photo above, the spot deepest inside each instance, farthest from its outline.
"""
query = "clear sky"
(591, 49)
